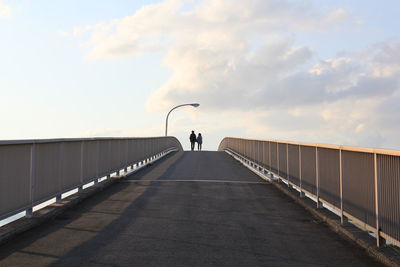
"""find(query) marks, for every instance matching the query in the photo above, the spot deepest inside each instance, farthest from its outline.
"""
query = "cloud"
(277, 72)
(242, 57)
(5, 10)
(206, 23)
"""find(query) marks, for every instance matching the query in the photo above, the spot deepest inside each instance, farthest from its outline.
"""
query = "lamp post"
(166, 121)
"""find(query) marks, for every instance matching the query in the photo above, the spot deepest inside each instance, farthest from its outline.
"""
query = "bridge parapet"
(360, 184)
(34, 171)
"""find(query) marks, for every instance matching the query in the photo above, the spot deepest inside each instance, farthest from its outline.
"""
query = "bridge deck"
(190, 209)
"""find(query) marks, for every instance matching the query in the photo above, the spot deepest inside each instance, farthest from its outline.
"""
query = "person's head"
(200, 134)
(192, 131)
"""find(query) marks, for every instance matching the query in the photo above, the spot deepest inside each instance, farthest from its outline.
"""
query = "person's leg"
(200, 146)
(192, 145)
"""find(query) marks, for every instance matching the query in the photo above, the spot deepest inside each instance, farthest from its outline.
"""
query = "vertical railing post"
(287, 164)
(60, 171)
(131, 148)
(261, 155)
(109, 161)
(97, 163)
(300, 175)
(80, 188)
(126, 142)
(269, 155)
(248, 152)
(254, 148)
(277, 158)
(251, 153)
(263, 164)
(32, 180)
(341, 185)
(253, 157)
(319, 203)
(379, 240)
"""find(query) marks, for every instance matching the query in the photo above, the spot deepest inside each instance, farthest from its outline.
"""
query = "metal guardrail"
(360, 184)
(34, 171)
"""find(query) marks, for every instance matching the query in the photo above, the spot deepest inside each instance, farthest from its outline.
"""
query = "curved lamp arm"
(166, 120)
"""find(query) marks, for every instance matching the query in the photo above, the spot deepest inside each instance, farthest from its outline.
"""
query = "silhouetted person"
(192, 140)
(199, 141)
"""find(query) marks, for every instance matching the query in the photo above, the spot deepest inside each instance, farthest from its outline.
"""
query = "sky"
(300, 70)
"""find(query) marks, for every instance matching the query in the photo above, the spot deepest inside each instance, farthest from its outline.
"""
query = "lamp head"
(195, 105)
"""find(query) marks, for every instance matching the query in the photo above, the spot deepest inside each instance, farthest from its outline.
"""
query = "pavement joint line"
(333, 224)
(196, 181)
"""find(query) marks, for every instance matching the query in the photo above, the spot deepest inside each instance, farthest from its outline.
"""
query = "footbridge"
(146, 202)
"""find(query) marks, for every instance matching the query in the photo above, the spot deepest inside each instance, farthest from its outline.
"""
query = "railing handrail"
(382, 151)
(56, 140)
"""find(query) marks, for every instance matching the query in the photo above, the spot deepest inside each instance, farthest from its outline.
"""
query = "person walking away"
(192, 140)
(199, 141)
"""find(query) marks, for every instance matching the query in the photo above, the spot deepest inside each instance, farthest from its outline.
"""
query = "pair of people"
(194, 139)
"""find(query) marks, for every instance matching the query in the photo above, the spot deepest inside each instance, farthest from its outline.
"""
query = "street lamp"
(166, 121)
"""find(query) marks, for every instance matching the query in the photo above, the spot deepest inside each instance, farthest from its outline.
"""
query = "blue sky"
(48, 87)
(379, 23)
(317, 71)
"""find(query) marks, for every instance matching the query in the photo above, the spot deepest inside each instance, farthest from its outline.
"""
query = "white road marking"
(196, 181)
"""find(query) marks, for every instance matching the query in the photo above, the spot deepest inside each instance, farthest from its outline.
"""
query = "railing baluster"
(319, 203)
(287, 165)
(376, 188)
(300, 174)
(32, 180)
(80, 188)
(341, 186)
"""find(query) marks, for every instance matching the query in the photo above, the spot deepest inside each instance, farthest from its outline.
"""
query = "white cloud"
(207, 24)
(335, 16)
(5, 10)
(241, 57)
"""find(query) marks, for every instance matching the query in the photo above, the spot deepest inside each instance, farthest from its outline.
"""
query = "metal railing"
(360, 184)
(34, 171)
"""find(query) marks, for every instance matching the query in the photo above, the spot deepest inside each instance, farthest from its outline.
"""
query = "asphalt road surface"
(189, 209)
